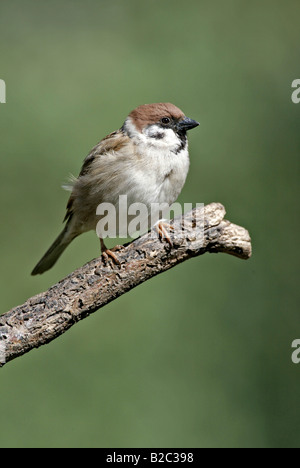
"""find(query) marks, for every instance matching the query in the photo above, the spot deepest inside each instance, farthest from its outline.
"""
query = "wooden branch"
(46, 316)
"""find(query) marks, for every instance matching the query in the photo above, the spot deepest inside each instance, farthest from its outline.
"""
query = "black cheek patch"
(158, 136)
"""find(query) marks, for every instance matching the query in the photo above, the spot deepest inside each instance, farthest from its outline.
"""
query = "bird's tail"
(55, 251)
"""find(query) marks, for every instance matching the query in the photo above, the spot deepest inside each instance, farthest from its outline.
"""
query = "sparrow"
(147, 159)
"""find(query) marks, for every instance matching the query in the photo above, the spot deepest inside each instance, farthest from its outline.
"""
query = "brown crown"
(152, 113)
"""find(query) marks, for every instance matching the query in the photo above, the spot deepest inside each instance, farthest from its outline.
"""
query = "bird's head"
(160, 125)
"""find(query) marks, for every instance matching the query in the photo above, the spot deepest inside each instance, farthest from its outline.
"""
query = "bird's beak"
(187, 124)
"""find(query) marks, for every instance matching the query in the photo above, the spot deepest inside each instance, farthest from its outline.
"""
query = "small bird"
(147, 159)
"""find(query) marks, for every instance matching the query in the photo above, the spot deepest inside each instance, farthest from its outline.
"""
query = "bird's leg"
(106, 253)
(162, 227)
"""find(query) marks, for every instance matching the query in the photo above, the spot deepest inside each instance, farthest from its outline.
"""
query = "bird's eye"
(165, 120)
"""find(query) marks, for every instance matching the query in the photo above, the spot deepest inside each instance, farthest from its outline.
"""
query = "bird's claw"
(162, 228)
(108, 255)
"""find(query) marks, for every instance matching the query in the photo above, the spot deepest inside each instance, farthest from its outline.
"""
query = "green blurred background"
(199, 356)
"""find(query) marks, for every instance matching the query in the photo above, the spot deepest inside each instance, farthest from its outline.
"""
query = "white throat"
(163, 165)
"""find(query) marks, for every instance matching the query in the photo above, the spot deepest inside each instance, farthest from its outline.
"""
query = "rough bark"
(46, 316)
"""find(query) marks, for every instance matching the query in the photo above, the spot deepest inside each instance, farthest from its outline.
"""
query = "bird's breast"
(159, 178)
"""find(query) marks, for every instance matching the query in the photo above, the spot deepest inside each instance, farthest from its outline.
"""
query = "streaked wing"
(112, 142)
